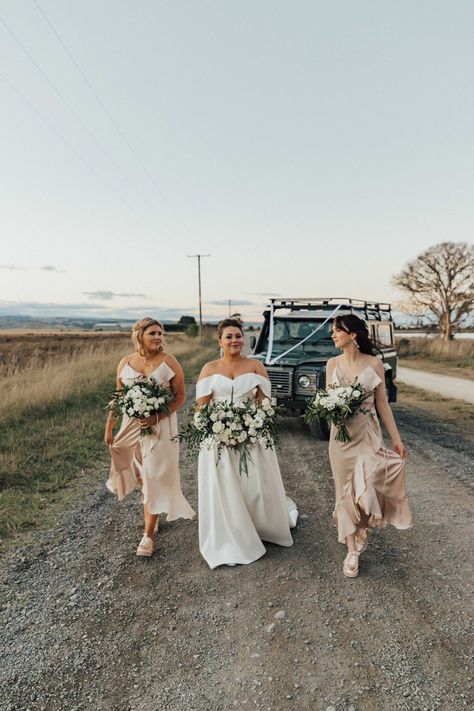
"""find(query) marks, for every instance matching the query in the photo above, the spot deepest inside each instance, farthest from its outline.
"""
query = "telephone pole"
(198, 257)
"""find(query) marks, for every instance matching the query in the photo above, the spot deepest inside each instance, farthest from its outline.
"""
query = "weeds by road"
(437, 356)
(52, 419)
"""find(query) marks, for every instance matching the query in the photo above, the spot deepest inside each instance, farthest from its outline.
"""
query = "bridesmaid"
(152, 461)
(370, 479)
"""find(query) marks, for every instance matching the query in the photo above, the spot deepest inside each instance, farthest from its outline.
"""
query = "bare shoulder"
(208, 369)
(172, 361)
(377, 365)
(259, 368)
(124, 362)
(331, 364)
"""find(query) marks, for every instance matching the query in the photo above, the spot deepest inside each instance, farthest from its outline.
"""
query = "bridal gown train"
(237, 512)
(150, 461)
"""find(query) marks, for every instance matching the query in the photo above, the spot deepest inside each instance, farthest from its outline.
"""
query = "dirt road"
(87, 625)
(445, 385)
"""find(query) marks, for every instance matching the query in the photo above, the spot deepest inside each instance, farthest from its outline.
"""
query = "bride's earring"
(221, 352)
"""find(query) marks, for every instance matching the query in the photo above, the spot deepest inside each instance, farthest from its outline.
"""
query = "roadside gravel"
(87, 625)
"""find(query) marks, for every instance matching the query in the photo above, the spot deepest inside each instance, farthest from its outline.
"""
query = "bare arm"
(177, 386)
(261, 370)
(111, 420)
(330, 366)
(385, 411)
(206, 371)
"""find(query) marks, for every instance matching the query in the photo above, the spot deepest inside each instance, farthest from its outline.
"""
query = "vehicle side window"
(384, 334)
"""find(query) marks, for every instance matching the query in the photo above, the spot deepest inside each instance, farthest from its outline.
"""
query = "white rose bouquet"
(337, 404)
(141, 398)
(234, 425)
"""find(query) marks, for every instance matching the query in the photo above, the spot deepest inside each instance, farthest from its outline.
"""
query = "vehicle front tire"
(320, 429)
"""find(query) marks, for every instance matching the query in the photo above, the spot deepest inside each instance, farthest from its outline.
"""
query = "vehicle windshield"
(288, 333)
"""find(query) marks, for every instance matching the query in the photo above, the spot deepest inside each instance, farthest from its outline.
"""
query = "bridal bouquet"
(140, 399)
(337, 404)
(228, 424)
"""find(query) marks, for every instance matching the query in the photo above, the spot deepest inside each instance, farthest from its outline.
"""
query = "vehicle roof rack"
(372, 310)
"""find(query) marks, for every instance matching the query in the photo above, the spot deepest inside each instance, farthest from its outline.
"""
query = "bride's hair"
(139, 329)
(232, 322)
(350, 323)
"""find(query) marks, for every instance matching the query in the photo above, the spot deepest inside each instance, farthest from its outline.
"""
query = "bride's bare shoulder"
(258, 367)
(208, 369)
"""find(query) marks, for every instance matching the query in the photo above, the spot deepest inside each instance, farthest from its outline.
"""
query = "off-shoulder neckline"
(221, 375)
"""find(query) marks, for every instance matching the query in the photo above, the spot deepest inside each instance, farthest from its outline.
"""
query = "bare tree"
(440, 281)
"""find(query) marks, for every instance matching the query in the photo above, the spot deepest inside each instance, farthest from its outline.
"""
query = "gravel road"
(87, 625)
(446, 385)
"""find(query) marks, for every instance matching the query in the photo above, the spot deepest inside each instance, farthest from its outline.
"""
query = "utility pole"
(198, 257)
(230, 307)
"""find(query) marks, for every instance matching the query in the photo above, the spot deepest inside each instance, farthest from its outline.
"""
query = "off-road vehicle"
(295, 344)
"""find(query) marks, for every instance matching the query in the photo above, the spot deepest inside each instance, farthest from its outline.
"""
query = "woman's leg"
(151, 520)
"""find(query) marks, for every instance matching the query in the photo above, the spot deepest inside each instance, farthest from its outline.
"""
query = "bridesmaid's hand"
(399, 447)
(148, 421)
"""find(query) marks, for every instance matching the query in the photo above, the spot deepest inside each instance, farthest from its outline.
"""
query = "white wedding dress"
(237, 512)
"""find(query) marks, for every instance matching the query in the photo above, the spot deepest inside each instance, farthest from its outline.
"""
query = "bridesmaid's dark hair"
(232, 322)
(350, 323)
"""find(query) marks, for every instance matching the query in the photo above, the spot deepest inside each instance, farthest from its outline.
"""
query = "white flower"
(252, 432)
(242, 436)
(213, 416)
(357, 393)
(217, 427)
(131, 411)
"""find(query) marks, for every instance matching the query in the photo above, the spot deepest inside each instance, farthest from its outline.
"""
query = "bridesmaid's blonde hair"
(139, 329)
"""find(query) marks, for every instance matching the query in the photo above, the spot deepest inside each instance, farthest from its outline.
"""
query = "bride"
(237, 512)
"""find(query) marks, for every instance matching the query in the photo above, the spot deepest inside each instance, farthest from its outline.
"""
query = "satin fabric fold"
(238, 512)
(370, 479)
(151, 461)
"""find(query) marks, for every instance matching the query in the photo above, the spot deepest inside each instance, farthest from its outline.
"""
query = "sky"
(310, 148)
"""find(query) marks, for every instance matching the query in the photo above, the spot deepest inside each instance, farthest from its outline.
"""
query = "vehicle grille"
(281, 382)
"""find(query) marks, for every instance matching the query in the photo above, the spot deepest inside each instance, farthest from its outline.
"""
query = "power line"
(66, 103)
(101, 103)
(69, 145)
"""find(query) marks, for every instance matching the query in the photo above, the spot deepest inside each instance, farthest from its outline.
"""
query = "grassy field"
(441, 410)
(448, 358)
(52, 413)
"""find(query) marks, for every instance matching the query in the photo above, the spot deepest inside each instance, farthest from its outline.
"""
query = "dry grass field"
(451, 358)
(54, 390)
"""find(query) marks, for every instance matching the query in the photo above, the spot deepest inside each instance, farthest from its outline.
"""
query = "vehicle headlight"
(304, 381)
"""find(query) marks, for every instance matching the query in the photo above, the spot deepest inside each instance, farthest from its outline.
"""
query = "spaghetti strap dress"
(370, 479)
(151, 461)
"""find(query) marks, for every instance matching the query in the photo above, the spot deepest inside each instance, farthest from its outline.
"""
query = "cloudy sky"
(311, 148)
